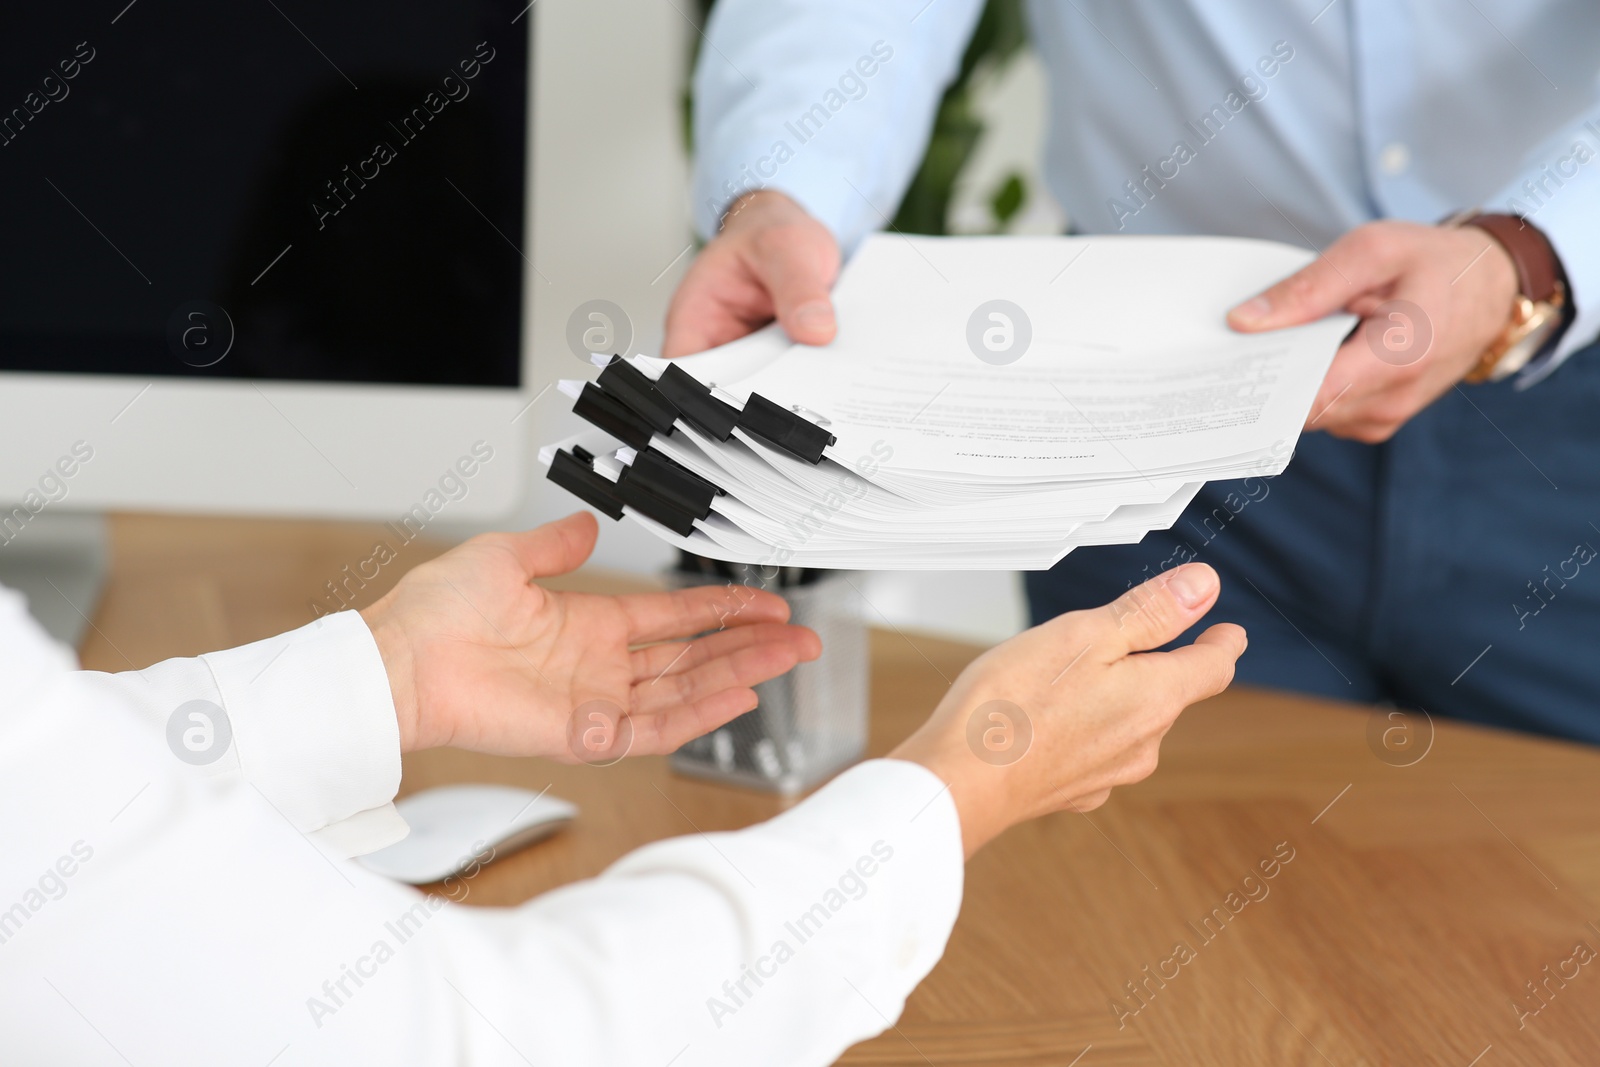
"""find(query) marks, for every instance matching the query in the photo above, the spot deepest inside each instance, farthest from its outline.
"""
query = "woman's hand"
(1057, 716)
(479, 657)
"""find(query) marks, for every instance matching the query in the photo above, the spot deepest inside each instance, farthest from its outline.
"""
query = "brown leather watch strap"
(1538, 267)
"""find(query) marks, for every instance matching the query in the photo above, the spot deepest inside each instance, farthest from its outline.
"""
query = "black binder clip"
(625, 382)
(638, 496)
(612, 415)
(782, 428)
(696, 404)
(574, 473)
(673, 483)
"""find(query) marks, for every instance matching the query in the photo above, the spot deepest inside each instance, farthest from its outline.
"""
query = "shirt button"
(1394, 159)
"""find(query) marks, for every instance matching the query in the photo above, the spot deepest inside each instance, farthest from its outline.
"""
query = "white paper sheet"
(1131, 366)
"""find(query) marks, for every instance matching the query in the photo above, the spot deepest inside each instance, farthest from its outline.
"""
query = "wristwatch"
(1540, 313)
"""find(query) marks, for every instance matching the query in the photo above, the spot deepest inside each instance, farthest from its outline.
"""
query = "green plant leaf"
(1008, 199)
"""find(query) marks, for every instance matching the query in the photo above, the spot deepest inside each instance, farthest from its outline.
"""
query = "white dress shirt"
(176, 889)
(1292, 120)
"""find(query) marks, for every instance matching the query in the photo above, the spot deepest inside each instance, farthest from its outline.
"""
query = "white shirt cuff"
(314, 727)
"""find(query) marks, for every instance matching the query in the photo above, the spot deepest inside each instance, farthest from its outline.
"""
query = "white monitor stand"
(59, 562)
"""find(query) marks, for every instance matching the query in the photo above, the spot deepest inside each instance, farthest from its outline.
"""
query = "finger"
(1354, 380)
(686, 612)
(1356, 263)
(798, 263)
(678, 656)
(1151, 614)
(740, 669)
(554, 548)
(1199, 670)
(1386, 371)
(1087, 803)
(654, 734)
(1363, 431)
(1340, 388)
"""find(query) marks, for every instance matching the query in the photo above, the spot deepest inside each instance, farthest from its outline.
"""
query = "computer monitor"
(265, 258)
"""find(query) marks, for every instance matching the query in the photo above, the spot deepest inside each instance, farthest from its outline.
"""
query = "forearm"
(828, 101)
(195, 923)
(782, 944)
(306, 717)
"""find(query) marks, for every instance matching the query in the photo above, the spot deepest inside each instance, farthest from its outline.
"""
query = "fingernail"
(1253, 310)
(1192, 585)
(815, 316)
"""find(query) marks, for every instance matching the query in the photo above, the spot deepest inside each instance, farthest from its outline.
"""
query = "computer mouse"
(454, 827)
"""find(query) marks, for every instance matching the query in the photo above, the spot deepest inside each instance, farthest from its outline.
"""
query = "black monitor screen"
(264, 189)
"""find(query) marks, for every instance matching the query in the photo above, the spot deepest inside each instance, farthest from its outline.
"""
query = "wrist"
(394, 648)
(1533, 259)
(975, 787)
(1538, 310)
(759, 206)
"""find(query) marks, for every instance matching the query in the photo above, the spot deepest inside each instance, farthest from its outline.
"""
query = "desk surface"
(1419, 904)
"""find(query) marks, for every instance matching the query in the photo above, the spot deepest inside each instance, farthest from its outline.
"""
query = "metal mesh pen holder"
(812, 721)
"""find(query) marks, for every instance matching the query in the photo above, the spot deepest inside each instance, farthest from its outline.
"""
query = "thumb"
(1352, 265)
(1204, 668)
(1149, 615)
(798, 268)
(554, 548)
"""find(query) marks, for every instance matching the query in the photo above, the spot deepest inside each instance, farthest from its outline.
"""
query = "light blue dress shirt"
(1293, 120)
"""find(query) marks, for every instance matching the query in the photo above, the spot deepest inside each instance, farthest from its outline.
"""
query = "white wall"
(610, 193)
(611, 219)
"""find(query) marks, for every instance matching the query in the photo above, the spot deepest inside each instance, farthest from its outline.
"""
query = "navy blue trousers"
(1452, 568)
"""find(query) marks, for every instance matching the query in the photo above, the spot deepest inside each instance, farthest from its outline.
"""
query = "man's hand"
(1432, 299)
(771, 261)
(480, 657)
(1054, 718)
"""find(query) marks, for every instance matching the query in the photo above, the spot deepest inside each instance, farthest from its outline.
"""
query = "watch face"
(1530, 330)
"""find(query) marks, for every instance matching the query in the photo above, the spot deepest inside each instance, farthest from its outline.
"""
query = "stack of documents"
(989, 403)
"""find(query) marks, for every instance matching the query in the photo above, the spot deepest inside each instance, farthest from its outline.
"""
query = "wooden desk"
(1418, 903)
